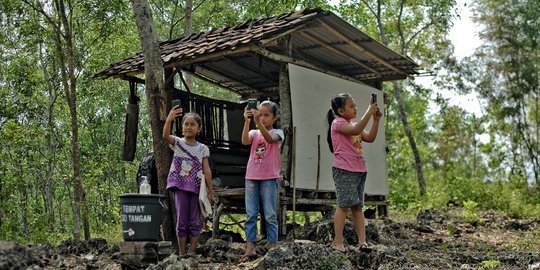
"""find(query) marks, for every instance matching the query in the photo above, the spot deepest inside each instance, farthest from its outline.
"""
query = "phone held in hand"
(373, 98)
(176, 102)
(252, 104)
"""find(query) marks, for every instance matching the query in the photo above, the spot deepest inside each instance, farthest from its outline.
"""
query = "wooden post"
(215, 222)
(382, 210)
(286, 111)
(286, 125)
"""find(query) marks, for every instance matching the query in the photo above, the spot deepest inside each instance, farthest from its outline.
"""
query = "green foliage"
(469, 213)
(331, 262)
(504, 73)
(490, 264)
(530, 241)
(452, 229)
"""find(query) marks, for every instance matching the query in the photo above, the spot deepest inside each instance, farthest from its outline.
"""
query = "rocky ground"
(435, 240)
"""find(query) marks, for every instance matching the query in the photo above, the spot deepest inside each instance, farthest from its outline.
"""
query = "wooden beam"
(361, 49)
(248, 69)
(340, 53)
(287, 59)
(221, 74)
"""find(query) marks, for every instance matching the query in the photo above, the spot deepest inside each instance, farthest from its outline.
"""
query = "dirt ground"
(434, 240)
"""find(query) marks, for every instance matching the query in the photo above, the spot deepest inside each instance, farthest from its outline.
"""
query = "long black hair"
(338, 102)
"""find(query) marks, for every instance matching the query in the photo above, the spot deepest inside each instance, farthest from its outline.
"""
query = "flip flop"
(339, 249)
(365, 248)
(248, 257)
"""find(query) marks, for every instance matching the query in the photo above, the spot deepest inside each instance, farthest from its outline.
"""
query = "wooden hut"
(299, 60)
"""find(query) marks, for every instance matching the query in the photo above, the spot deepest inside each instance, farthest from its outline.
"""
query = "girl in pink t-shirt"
(262, 173)
(349, 166)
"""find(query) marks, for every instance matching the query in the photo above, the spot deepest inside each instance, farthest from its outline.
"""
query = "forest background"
(61, 130)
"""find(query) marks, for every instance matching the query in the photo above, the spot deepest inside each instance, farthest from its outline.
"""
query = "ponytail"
(330, 116)
(337, 102)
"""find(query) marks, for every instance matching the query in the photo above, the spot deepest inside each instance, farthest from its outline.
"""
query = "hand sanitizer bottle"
(145, 186)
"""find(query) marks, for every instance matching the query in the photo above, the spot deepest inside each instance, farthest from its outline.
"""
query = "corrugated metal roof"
(245, 57)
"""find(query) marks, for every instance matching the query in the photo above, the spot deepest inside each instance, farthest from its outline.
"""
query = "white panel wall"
(311, 93)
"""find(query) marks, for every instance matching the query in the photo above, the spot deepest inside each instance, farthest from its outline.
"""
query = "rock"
(535, 266)
(516, 225)
(4, 245)
(322, 231)
(425, 229)
(304, 256)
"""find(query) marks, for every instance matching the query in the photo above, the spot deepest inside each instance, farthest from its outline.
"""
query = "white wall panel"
(311, 93)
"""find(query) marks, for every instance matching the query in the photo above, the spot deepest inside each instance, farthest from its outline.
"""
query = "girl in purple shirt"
(189, 167)
(349, 166)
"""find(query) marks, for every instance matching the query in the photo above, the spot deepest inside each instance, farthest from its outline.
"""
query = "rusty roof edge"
(331, 16)
(135, 64)
(110, 70)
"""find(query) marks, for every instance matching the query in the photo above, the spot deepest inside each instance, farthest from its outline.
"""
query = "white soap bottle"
(145, 186)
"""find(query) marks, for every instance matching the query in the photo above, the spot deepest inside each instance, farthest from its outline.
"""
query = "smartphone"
(374, 98)
(252, 104)
(176, 102)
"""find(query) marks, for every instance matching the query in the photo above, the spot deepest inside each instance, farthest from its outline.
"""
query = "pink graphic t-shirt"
(348, 154)
(264, 162)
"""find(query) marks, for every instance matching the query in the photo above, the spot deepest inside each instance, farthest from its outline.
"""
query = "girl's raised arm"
(175, 112)
(372, 134)
(359, 127)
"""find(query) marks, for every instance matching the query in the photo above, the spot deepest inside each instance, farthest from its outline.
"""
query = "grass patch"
(331, 262)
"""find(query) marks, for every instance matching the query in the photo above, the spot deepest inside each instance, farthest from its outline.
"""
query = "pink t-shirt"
(348, 154)
(264, 162)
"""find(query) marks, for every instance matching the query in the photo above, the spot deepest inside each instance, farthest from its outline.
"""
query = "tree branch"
(401, 36)
(370, 8)
(417, 33)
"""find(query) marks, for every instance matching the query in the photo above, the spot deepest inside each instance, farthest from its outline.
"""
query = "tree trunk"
(170, 215)
(397, 91)
(48, 185)
(412, 142)
(153, 71)
(70, 87)
(188, 30)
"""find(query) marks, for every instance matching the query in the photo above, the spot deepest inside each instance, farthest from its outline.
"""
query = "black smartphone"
(252, 104)
(176, 102)
(373, 98)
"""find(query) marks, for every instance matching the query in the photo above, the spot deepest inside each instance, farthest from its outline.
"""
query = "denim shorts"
(349, 187)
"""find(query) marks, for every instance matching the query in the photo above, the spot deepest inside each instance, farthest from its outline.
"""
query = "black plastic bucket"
(141, 216)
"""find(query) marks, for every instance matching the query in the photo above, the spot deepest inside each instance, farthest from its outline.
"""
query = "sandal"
(365, 248)
(335, 247)
(248, 257)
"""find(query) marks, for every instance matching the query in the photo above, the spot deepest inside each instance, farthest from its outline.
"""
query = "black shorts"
(349, 187)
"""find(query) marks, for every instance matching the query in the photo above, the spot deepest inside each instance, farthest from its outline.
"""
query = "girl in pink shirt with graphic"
(349, 166)
(262, 173)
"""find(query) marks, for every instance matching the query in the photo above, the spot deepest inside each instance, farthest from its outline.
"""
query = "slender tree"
(154, 80)
(62, 24)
